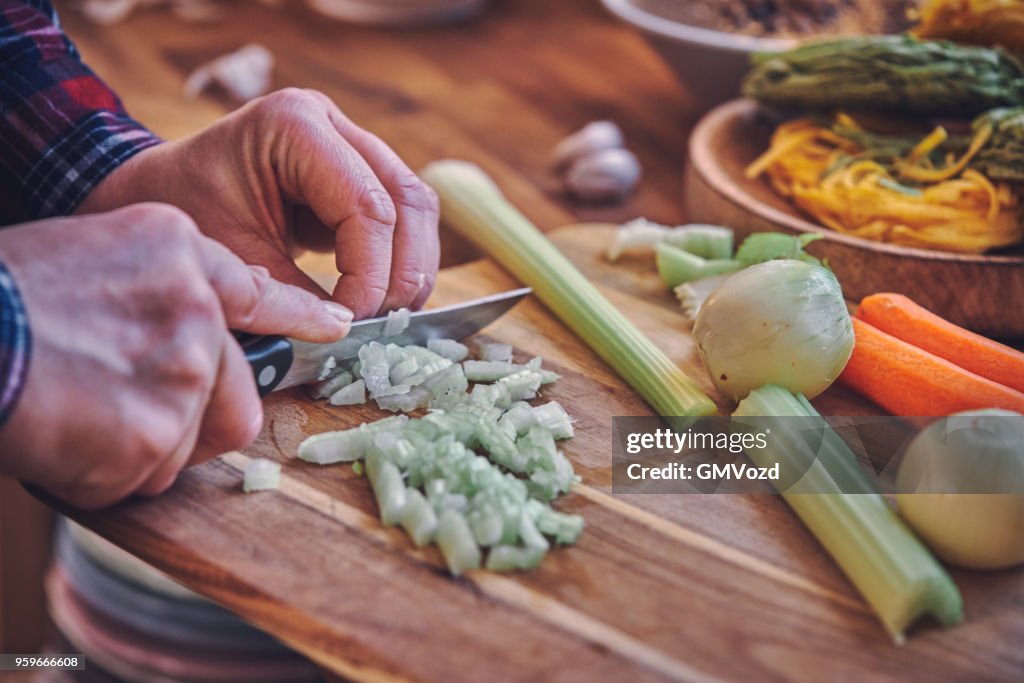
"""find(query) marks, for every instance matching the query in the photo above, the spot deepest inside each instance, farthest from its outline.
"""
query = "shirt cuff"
(15, 345)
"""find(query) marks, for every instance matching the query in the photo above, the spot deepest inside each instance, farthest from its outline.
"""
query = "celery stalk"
(676, 266)
(890, 567)
(473, 205)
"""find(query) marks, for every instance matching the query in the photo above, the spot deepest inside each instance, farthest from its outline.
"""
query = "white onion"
(781, 322)
(961, 487)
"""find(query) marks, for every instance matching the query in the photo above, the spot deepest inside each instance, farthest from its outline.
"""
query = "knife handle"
(270, 357)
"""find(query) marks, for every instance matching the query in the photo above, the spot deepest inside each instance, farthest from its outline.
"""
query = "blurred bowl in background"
(398, 12)
(709, 64)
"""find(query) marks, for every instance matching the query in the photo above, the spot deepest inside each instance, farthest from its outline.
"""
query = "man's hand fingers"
(255, 302)
(234, 414)
(415, 250)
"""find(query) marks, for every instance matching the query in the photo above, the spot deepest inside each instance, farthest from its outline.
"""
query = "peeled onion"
(782, 322)
(961, 487)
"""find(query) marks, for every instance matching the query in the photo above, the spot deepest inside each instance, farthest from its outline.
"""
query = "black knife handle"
(270, 357)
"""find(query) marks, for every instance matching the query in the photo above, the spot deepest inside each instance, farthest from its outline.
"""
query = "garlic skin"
(594, 137)
(244, 74)
(961, 487)
(608, 175)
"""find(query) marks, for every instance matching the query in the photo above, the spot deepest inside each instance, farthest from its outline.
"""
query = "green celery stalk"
(473, 205)
(676, 266)
(891, 568)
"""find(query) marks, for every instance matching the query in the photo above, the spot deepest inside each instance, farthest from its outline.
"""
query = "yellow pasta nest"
(960, 210)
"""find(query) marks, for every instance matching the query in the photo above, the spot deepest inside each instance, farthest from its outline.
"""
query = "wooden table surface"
(734, 589)
(501, 90)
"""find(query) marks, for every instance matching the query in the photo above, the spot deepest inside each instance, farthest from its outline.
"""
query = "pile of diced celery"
(477, 472)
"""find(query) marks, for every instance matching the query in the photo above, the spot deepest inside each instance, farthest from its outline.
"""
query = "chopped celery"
(347, 445)
(521, 385)
(768, 246)
(472, 204)
(456, 542)
(676, 266)
(504, 558)
(552, 417)
(357, 467)
(327, 369)
(418, 518)
(261, 474)
(396, 323)
(707, 241)
(448, 348)
(481, 497)
(330, 386)
(496, 352)
(489, 371)
(389, 489)
(531, 537)
(638, 232)
(350, 394)
(889, 566)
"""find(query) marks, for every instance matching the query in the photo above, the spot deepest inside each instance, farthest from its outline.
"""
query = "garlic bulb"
(594, 137)
(607, 175)
(244, 74)
(961, 487)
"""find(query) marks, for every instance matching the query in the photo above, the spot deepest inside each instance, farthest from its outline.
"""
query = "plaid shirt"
(61, 132)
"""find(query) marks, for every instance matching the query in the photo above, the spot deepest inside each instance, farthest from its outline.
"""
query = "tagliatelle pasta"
(811, 165)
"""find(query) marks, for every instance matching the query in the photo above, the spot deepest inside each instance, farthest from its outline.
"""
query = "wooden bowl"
(982, 292)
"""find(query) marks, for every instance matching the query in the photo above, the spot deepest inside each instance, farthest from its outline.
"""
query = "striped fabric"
(15, 344)
(62, 130)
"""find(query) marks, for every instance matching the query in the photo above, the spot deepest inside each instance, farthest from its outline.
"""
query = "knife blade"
(279, 362)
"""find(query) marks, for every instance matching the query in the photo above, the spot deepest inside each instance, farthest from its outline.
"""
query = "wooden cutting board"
(659, 587)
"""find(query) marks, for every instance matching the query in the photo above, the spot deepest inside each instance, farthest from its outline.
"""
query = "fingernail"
(338, 312)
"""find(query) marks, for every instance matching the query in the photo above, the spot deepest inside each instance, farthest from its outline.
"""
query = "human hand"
(285, 171)
(133, 372)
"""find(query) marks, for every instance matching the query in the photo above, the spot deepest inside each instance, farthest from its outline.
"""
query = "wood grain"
(982, 292)
(659, 587)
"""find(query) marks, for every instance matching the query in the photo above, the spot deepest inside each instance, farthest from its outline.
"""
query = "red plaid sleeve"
(62, 130)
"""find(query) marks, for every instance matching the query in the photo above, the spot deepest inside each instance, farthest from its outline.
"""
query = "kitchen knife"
(279, 362)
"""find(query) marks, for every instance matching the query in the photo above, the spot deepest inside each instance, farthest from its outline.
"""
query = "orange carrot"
(897, 315)
(909, 381)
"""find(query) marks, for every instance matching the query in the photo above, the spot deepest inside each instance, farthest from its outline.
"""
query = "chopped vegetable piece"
(522, 385)
(261, 474)
(448, 348)
(345, 445)
(768, 246)
(891, 568)
(900, 317)
(357, 467)
(330, 386)
(456, 542)
(489, 371)
(496, 352)
(327, 368)
(350, 394)
(711, 242)
(504, 558)
(552, 417)
(529, 534)
(909, 381)
(639, 232)
(396, 323)
(676, 266)
(390, 492)
(473, 205)
(418, 518)
(412, 399)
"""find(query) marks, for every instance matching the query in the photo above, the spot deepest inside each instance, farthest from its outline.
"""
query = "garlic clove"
(607, 175)
(596, 136)
(244, 74)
